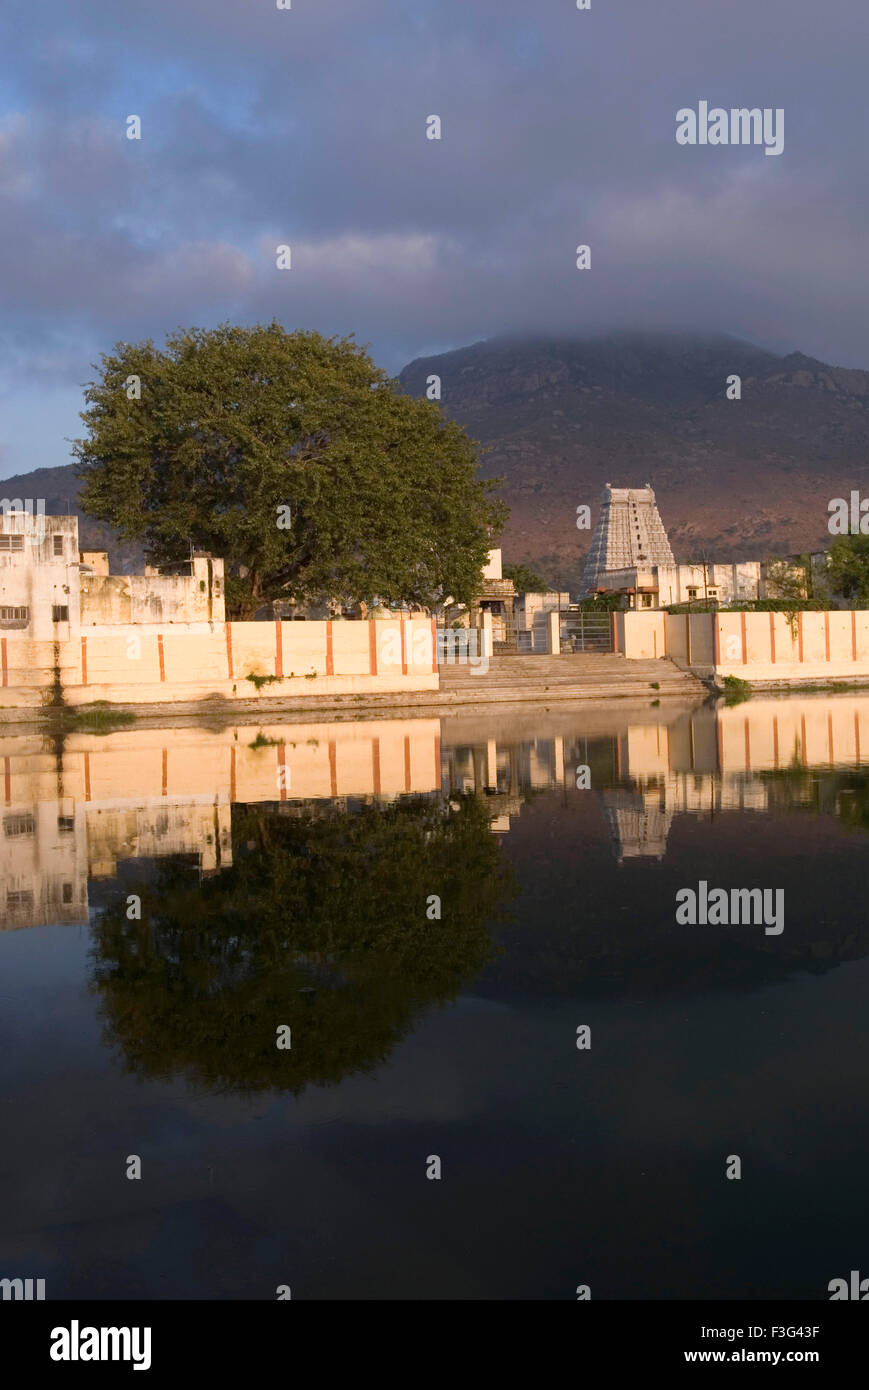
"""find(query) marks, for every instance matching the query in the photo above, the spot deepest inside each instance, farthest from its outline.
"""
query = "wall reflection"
(72, 813)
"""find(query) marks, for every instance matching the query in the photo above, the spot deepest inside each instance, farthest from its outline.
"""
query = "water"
(285, 878)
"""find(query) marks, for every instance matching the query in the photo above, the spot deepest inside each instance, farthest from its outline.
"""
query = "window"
(14, 615)
(59, 613)
(12, 542)
(713, 593)
(646, 600)
(66, 824)
(692, 593)
(67, 892)
(57, 542)
(18, 825)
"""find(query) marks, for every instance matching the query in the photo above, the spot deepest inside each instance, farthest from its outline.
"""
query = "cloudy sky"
(307, 127)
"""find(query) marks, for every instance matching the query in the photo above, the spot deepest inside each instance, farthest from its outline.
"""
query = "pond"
(406, 1008)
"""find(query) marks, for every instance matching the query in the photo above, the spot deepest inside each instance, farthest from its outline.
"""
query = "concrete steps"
(572, 676)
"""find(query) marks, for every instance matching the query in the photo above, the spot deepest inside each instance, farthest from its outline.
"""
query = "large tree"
(230, 427)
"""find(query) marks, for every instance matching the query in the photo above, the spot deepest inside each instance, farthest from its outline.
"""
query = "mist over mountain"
(738, 479)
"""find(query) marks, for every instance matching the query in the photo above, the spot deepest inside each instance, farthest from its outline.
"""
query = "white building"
(50, 590)
(532, 631)
(660, 586)
(39, 575)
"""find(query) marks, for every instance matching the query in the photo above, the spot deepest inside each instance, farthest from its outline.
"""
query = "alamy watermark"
(857, 1289)
(738, 126)
(718, 907)
(23, 1289)
(76, 1343)
(22, 509)
(463, 646)
(848, 517)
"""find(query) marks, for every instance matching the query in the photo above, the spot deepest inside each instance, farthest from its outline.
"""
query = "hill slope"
(741, 479)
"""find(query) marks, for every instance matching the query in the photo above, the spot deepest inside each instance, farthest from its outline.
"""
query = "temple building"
(629, 533)
(631, 555)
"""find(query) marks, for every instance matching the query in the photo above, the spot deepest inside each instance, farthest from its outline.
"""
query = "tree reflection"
(839, 792)
(320, 924)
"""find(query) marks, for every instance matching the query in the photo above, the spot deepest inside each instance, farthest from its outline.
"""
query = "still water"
(428, 911)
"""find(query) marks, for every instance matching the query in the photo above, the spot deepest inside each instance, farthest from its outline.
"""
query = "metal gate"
(587, 632)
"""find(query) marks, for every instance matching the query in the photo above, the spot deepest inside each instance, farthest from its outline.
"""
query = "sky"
(307, 127)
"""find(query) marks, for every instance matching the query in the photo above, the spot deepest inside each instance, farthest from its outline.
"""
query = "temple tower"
(629, 533)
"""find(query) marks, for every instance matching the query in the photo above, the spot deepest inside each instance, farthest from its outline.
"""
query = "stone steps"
(572, 666)
(573, 676)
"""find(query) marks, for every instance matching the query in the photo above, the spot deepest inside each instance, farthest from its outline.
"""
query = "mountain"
(743, 479)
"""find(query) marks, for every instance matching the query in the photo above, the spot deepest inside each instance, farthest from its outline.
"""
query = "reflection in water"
(316, 847)
(319, 924)
(284, 876)
(71, 816)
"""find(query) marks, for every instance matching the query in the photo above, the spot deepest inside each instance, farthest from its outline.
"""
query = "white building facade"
(39, 575)
(50, 590)
(660, 586)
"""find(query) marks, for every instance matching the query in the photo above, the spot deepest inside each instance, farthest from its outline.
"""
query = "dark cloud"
(307, 127)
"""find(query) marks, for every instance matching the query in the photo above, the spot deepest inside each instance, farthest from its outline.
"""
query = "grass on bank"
(98, 718)
(736, 690)
(827, 687)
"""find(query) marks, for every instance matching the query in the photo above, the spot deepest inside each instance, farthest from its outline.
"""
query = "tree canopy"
(525, 579)
(848, 570)
(790, 579)
(294, 458)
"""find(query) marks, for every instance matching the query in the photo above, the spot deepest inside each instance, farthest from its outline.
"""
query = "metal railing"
(588, 632)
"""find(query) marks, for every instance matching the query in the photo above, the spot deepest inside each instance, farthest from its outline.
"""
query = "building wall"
(154, 597)
(137, 664)
(531, 610)
(41, 575)
(754, 646)
(730, 582)
(96, 560)
(37, 579)
(492, 568)
(528, 606)
(639, 636)
(767, 647)
(690, 637)
(670, 584)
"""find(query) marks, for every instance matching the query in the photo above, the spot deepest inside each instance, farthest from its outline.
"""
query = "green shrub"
(736, 690)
